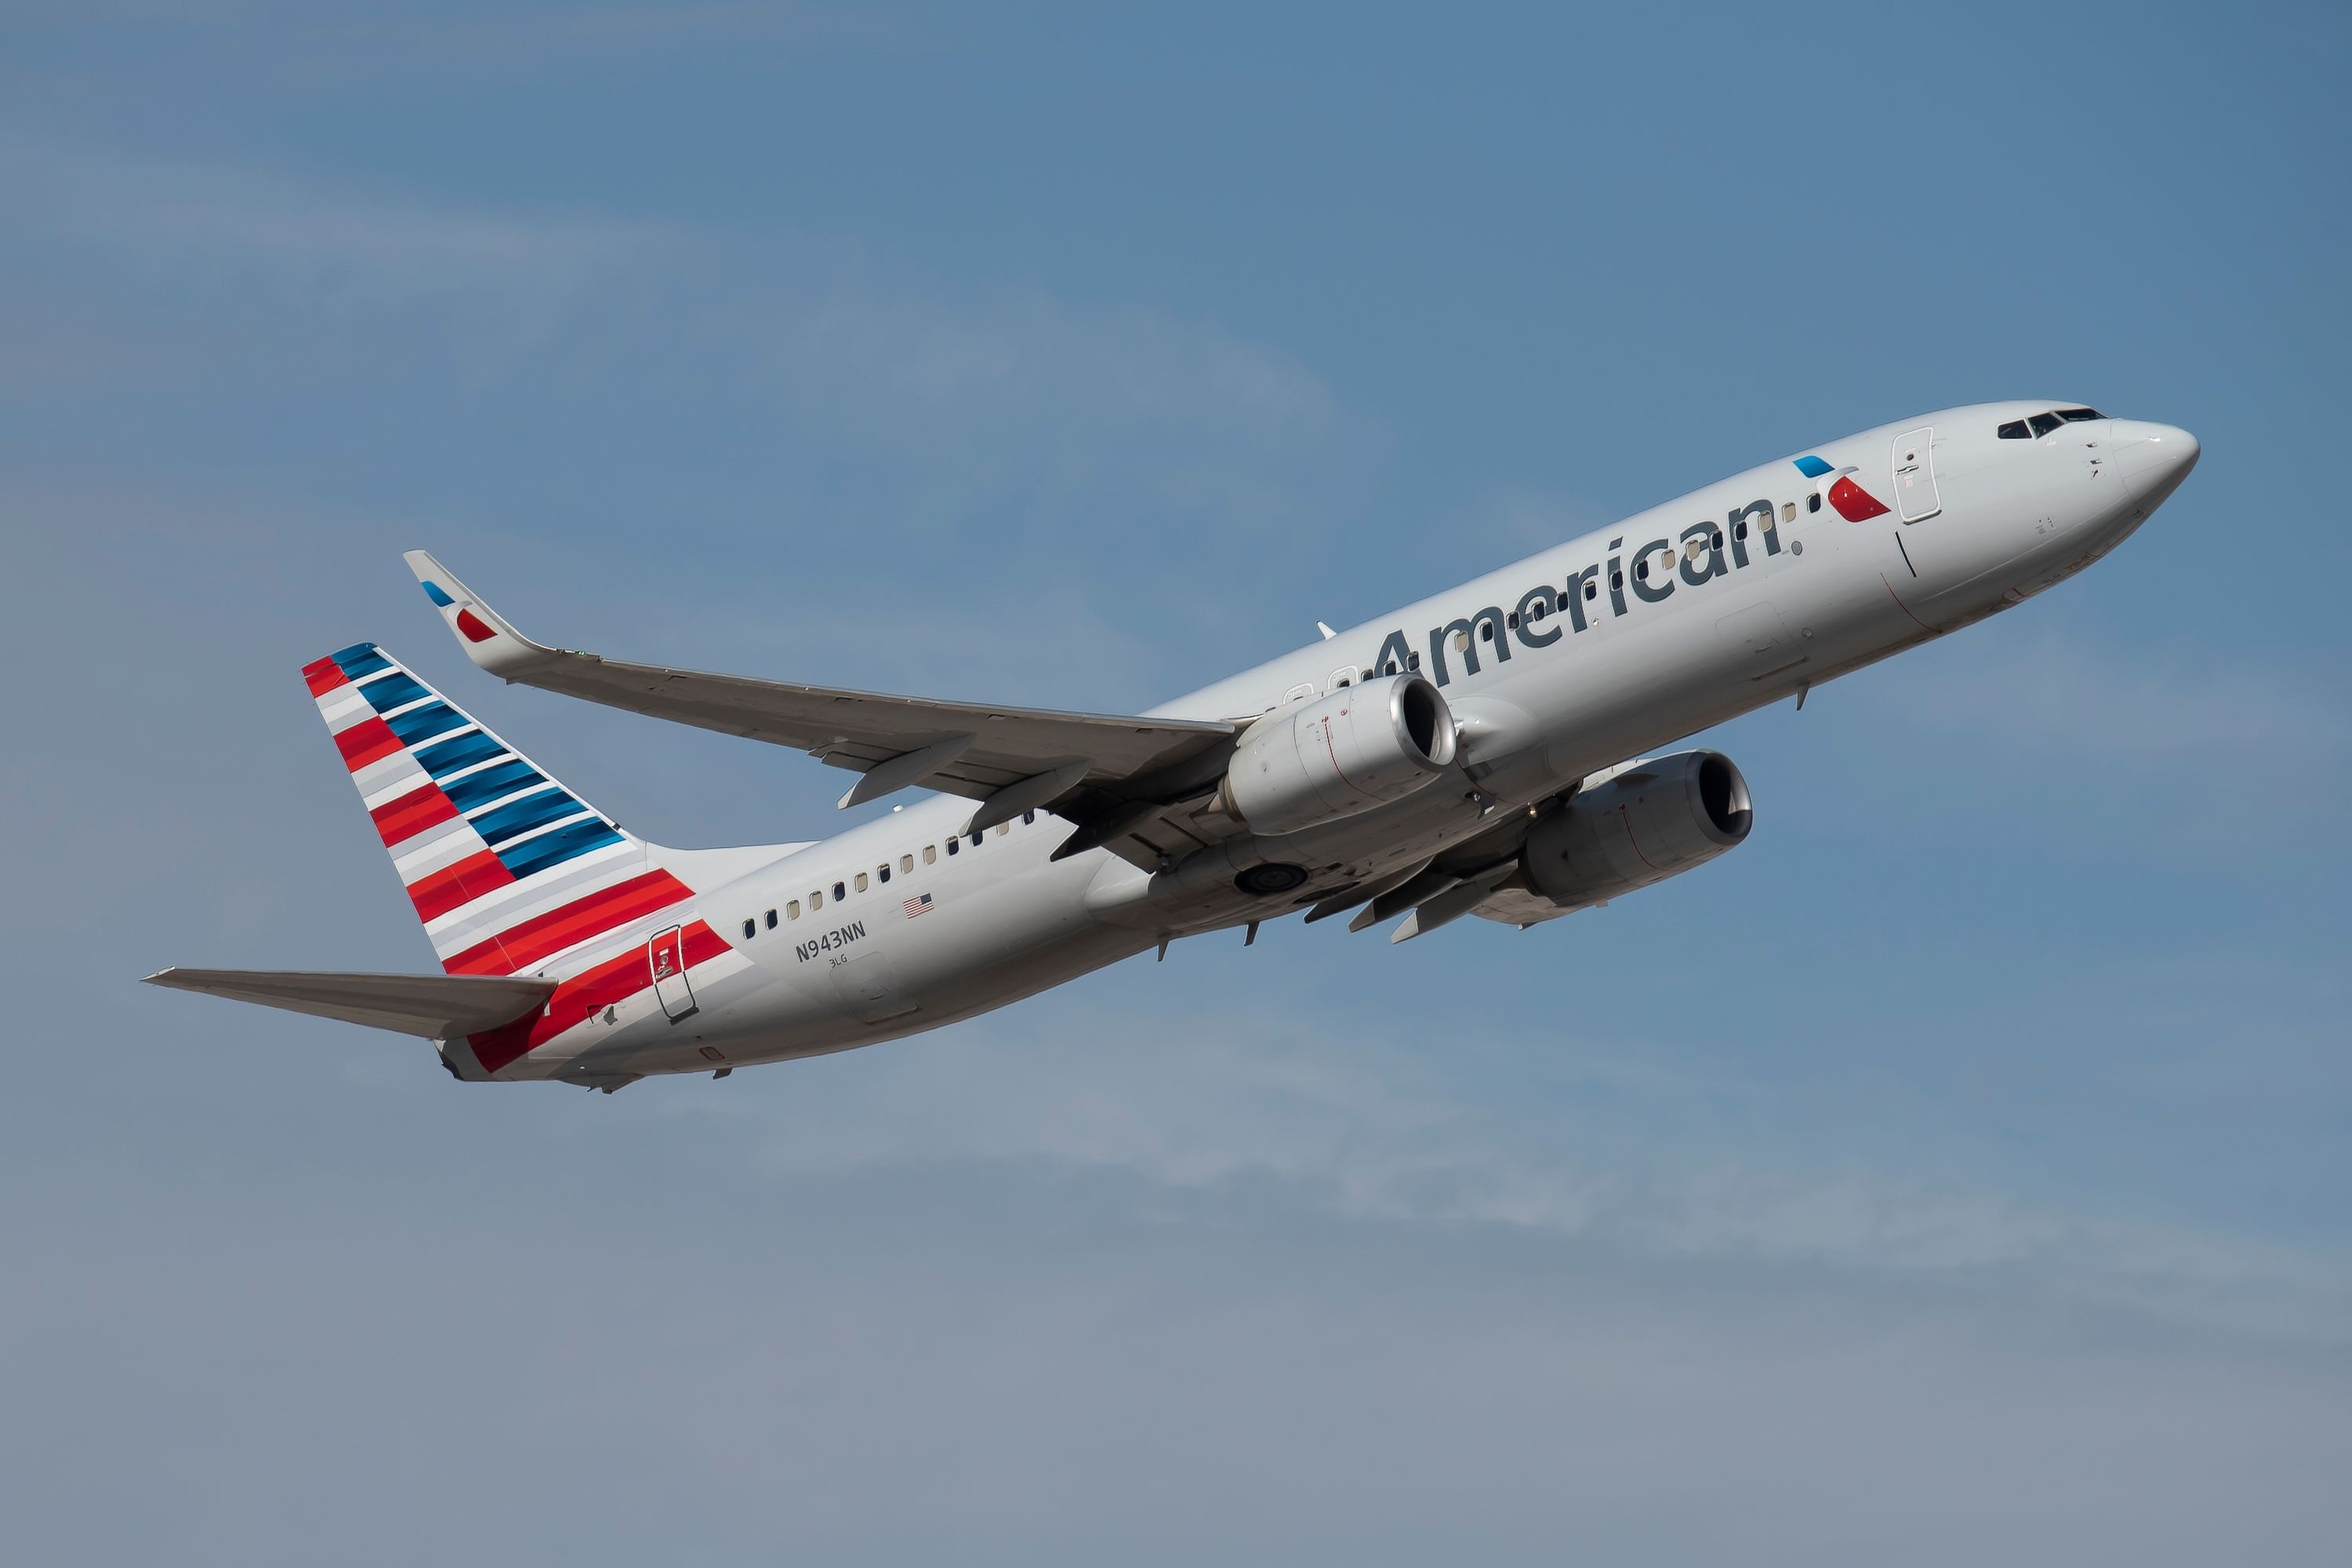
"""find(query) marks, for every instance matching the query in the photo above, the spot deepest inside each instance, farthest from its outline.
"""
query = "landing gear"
(1274, 876)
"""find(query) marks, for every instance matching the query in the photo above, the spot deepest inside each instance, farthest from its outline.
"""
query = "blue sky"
(1956, 1171)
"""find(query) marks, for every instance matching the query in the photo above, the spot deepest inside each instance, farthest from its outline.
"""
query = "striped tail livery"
(548, 919)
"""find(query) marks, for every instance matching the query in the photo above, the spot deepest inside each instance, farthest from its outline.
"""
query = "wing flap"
(436, 1007)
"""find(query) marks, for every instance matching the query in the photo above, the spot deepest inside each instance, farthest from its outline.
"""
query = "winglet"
(484, 634)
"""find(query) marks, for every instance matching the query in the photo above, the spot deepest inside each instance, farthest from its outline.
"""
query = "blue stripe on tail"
(554, 849)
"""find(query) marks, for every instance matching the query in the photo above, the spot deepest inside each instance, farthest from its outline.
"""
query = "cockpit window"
(2014, 431)
(2044, 423)
(2076, 416)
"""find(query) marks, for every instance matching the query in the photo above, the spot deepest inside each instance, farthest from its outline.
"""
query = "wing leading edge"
(1097, 768)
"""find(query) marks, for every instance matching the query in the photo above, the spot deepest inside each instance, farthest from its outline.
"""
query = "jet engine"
(1360, 747)
(1637, 826)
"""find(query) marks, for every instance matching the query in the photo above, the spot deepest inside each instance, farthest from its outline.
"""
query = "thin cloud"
(1366, 1130)
(177, 216)
(2052, 693)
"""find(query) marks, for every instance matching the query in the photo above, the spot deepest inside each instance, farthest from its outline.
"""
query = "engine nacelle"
(1360, 747)
(1657, 818)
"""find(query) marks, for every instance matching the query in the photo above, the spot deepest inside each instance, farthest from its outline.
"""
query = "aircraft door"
(666, 957)
(1916, 498)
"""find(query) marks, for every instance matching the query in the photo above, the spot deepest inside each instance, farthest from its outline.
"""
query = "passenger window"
(862, 883)
(1616, 579)
(1028, 819)
(839, 893)
(882, 872)
(1739, 529)
(1812, 503)
(2013, 431)
(1002, 828)
(930, 854)
(1787, 511)
(2043, 424)
(906, 863)
(792, 909)
(976, 838)
(1487, 630)
(1591, 589)
(1642, 569)
(955, 846)
(816, 902)
(1346, 675)
(1461, 642)
(748, 929)
(1413, 661)
(772, 919)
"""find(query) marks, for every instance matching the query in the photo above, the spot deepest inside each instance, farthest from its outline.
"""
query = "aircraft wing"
(437, 1007)
(1101, 769)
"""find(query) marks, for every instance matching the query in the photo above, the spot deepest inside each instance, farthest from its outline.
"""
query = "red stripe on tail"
(462, 883)
(397, 821)
(517, 948)
(369, 741)
(323, 676)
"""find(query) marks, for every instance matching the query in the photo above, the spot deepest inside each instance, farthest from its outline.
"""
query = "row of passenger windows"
(2043, 424)
(863, 880)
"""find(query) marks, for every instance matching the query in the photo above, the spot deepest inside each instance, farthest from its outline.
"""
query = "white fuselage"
(1768, 590)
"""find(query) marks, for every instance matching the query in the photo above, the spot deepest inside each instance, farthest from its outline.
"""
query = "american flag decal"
(914, 907)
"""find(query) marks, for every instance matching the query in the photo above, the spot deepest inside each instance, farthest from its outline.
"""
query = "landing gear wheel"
(1266, 881)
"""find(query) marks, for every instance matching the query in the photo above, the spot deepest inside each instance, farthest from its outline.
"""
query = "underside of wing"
(1089, 766)
(1517, 907)
(436, 1007)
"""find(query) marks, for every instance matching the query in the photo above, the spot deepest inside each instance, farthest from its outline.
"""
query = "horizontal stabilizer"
(437, 1007)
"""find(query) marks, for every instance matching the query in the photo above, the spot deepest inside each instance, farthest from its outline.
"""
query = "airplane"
(1488, 751)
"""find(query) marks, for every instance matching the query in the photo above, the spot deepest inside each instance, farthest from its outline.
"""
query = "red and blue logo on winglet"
(1852, 503)
(469, 624)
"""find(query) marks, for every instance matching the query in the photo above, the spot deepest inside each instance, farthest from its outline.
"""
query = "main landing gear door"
(665, 956)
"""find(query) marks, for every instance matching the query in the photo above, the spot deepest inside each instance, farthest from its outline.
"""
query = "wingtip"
(488, 638)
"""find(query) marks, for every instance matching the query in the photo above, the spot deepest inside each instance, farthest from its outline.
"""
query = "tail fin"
(506, 867)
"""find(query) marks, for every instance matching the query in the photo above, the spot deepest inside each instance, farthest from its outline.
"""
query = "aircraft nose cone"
(2152, 458)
